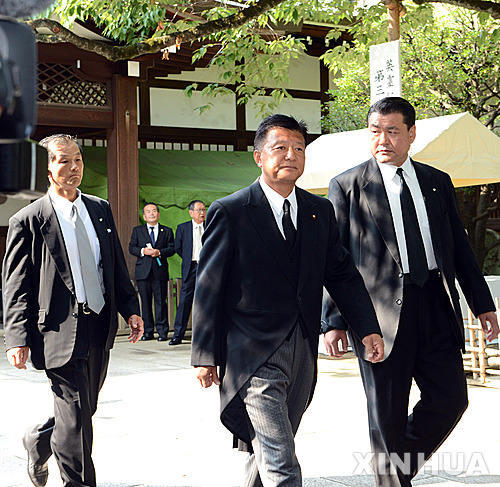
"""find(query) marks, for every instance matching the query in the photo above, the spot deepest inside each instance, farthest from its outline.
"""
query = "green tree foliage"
(253, 48)
(450, 64)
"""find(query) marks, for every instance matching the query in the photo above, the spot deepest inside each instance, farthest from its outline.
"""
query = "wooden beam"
(123, 161)
(75, 116)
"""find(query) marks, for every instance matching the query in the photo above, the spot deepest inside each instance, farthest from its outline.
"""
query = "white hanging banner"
(385, 70)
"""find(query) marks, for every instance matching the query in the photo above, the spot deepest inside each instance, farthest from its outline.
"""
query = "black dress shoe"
(175, 341)
(162, 339)
(145, 338)
(38, 474)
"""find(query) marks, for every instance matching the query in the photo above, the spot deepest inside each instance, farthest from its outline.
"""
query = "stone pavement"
(156, 427)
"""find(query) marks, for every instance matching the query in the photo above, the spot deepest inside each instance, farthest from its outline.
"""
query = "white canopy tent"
(457, 144)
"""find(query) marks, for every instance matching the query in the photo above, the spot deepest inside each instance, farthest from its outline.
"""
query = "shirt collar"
(276, 200)
(154, 227)
(65, 206)
(389, 171)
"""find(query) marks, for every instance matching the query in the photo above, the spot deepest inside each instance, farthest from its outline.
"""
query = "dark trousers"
(424, 350)
(185, 302)
(75, 387)
(154, 289)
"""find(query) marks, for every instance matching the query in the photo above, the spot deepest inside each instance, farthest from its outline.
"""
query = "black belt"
(433, 275)
(84, 308)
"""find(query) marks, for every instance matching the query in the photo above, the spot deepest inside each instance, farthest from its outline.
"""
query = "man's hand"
(136, 328)
(151, 252)
(18, 356)
(374, 346)
(489, 324)
(208, 376)
(332, 339)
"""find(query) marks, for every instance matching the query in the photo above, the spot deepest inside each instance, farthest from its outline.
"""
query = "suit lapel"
(145, 234)
(98, 217)
(432, 206)
(378, 203)
(262, 217)
(161, 236)
(189, 239)
(53, 237)
(307, 224)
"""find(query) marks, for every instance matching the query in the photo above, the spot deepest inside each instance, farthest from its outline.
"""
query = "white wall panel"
(171, 108)
(308, 110)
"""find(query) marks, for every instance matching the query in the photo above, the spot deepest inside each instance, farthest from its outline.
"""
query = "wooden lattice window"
(59, 83)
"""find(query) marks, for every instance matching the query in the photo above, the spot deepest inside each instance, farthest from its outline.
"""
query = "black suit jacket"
(367, 231)
(246, 299)
(184, 246)
(40, 306)
(164, 243)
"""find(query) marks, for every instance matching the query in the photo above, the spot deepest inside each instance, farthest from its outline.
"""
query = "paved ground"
(156, 427)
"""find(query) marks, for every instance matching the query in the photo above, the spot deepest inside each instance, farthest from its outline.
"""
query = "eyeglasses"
(200, 210)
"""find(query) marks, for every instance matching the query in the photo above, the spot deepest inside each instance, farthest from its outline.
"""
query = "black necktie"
(152, 236)
(288, 228)
(419, 269)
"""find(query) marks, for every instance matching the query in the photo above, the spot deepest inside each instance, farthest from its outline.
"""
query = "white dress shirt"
(276, 202)
(198, 231)
(155, 233)
(64, 210)
(392, 183)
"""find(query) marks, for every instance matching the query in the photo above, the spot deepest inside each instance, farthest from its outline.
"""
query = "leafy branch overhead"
(192, 31)
(147, 26)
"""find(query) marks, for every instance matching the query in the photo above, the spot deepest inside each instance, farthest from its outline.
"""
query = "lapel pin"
(100, 219)
(109, 230)
(161, 229)
(313, 217)
(434, 189)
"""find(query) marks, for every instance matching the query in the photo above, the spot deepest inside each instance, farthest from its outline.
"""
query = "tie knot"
(286, 206)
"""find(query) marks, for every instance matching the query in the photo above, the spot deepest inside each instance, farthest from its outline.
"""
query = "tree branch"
(154, 44)
(490, 7)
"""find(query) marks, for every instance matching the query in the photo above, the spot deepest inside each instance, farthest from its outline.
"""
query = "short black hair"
(191, 205)
(278, 120)
(394, 104)
(58, 139)
(151, 203)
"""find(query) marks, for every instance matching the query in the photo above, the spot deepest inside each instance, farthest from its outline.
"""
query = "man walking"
(64, 279)
(152, 243)
(268, 251)
(188, 246)
(400, 220)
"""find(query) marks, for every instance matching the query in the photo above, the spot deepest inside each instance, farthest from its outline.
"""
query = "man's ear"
(257, 157)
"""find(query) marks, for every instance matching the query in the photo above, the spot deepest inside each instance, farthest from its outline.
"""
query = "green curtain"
(172, 179)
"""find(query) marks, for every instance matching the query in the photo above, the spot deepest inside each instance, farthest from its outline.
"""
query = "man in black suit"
(152, 243)
(64, 279)
(188, 246)
(400, 220)
(268, 251)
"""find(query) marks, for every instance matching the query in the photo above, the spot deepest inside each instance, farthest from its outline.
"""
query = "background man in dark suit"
(64, 278)
(408, 242)
(188, 246)
(152, 243)
(268, 250)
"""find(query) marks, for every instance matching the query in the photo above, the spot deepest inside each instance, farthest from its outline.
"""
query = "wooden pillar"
(123, 161)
